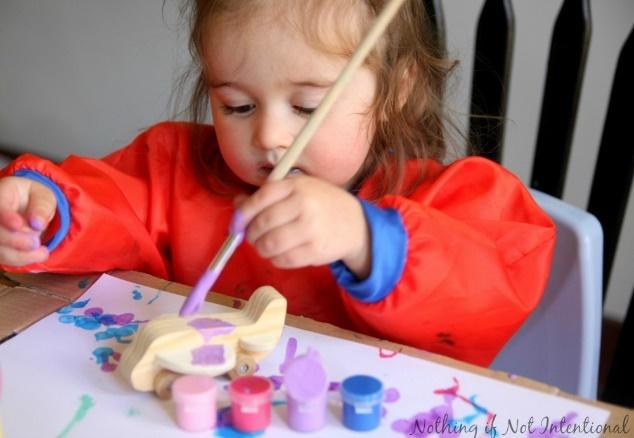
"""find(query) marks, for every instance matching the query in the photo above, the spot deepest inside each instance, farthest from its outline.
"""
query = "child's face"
(263, 85)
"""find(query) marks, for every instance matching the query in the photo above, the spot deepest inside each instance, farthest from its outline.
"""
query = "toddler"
(370, 231)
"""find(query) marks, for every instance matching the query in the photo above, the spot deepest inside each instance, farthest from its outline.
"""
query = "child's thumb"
(41, 207)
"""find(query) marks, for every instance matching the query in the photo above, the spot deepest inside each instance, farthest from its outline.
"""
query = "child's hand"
(302, 221)
(26, 208)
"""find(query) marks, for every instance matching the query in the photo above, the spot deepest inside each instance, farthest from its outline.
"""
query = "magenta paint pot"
(251, 403)
(306, 392)
(195, 399)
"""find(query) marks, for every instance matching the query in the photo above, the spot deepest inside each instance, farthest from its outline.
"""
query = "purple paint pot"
(306, 392)
(195, 398)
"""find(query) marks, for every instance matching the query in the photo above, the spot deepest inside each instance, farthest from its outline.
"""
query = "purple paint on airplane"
(210, 327)
(208, 355)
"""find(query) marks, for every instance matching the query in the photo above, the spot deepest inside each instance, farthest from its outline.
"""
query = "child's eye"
(240, 109)
(303, 110)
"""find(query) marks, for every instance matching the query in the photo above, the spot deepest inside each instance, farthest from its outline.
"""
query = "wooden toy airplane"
(208, 344)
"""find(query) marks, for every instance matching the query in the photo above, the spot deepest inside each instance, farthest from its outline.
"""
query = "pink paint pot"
(306, 391)
(195, 399)
(251, 403)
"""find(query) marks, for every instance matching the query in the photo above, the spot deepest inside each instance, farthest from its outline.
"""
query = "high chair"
(559, 343)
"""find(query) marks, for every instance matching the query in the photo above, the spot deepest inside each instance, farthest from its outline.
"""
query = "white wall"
(85, 76)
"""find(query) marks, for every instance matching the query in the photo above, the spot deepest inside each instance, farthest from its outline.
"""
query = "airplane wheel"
(245, 366)
(163, 384)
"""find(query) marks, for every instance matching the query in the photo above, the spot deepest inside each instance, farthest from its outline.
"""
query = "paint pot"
(362, 397)
(251, 403)
(195, 399)
(306, 391)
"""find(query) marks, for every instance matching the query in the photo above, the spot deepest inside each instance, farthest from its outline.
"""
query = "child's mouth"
(267, 169)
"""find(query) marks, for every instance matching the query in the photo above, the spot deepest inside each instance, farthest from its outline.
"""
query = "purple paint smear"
(334, 386)
(440, 421)
(210, 327)
(208, 355)
(391, 395)
(289, 355)
(277, 381)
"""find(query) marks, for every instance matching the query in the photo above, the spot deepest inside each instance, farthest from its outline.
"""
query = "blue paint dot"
(87, 323)
(107, 319)
(102, 354)
(80, 304)
(118, 333)
(65, 309)
(136, 294)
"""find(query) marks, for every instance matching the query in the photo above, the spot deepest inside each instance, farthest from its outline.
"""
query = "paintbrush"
(209, 277)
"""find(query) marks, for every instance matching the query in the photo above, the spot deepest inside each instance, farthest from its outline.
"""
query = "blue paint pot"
(362, 397)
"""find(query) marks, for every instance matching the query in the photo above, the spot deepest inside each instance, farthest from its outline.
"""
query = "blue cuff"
(389, 251)
(63, 209)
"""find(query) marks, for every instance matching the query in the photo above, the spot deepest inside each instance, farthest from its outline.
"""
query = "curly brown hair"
(411, 73)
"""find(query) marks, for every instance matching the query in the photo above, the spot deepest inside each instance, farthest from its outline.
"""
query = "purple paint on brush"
(208, 355)
(210, 327)
(198, 294)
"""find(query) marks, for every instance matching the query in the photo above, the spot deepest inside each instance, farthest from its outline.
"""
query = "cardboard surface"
(21, 307)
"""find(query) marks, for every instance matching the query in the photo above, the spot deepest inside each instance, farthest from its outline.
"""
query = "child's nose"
(272, 132)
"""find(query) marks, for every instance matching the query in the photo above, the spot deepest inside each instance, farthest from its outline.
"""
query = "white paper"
(54, 387)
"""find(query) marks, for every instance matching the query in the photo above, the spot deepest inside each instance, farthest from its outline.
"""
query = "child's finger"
(41, 207)
(274, 216)
(19, 240)
(280, 240)
(296, 257)
(10, 204)
(265, 196)
(13, 257)
(10, 219)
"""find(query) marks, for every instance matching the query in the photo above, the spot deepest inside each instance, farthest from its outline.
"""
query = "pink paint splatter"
(387, 354)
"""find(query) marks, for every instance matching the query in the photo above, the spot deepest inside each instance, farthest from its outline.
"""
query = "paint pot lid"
(194, 389)
(251, 390)
(362, 389)
(305, 378)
